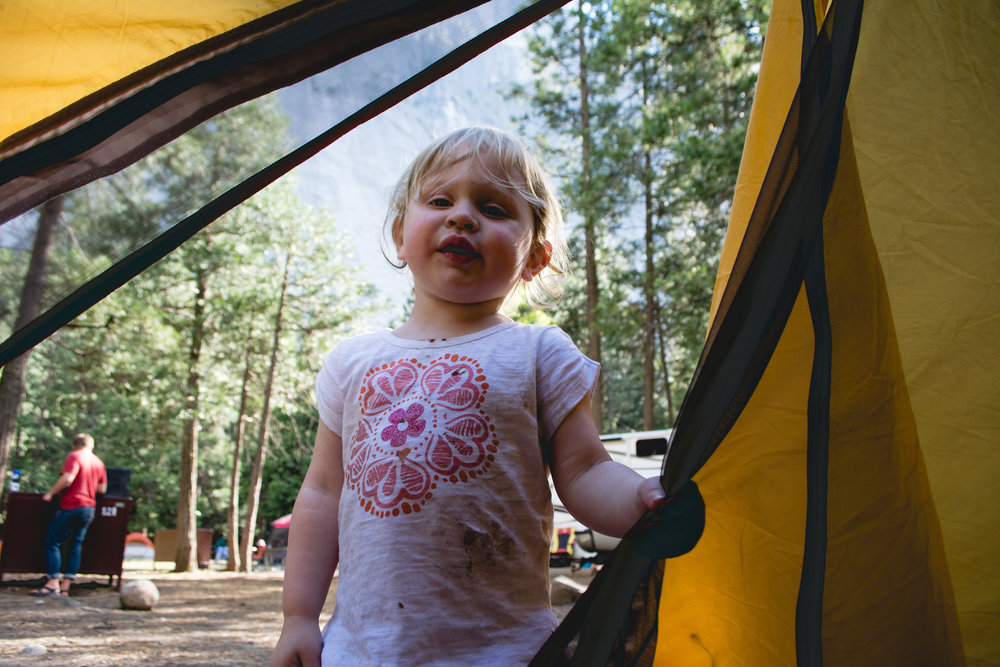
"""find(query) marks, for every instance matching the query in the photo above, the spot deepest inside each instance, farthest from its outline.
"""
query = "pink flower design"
(358, 455)
(394, 479)
(388, 386)
(404, 424)
(451, 384)
(460, 445)
(420, 426)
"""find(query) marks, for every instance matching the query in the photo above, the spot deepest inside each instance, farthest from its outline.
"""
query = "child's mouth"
(458, 250)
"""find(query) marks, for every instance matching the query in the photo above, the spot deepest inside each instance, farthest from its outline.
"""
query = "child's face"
(466, 239)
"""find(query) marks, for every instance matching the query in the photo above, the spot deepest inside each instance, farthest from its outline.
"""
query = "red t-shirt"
(90, 472)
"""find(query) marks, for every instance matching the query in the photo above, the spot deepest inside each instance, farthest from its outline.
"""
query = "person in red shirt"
(83, 476)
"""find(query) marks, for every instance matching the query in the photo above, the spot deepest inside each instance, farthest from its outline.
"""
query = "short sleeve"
(564, 376)
(330, 394)
(71, 465)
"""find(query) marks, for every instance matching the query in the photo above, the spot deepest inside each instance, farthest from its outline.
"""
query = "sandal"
(44, 592)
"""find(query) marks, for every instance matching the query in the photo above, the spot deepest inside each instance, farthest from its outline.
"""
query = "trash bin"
(28, 518)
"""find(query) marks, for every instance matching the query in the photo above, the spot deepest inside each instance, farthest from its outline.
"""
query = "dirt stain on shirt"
(482, 548)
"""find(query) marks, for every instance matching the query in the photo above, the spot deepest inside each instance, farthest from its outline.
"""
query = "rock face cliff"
(353, 177)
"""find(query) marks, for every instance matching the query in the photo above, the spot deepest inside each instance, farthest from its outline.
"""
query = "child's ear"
(539, 258)
(397, 238)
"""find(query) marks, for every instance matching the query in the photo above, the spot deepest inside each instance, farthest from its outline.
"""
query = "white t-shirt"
(446, 514)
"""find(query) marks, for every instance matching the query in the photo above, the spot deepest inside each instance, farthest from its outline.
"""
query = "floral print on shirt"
(421, 425)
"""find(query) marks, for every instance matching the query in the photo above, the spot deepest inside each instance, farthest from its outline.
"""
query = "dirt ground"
(204, 618)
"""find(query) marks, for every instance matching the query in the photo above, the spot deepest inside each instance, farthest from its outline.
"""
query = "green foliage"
(670, 91)
(13, 262)
(121, 370)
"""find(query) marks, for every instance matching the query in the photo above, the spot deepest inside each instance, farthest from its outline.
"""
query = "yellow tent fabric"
(911, 234)
(929, 166)
(90, 89)
(58, 52)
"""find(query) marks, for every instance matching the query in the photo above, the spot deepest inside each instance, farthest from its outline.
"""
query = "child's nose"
(462, 219)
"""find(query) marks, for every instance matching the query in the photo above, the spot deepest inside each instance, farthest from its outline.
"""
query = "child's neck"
(433, 322)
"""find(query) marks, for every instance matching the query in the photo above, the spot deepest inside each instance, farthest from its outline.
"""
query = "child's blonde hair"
(510, 165)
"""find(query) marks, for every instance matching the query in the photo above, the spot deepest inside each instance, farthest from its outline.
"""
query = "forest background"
(197, 376)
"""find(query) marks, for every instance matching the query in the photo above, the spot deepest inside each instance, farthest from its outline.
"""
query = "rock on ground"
(141, 594)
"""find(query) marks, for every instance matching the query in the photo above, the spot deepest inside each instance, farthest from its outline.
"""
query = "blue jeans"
(66, 524)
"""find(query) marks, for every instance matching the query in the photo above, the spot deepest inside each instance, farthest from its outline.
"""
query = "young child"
(428, 483)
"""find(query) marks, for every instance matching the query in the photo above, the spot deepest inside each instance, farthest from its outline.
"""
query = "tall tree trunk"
(12, 377)
(233, 514)
(257, 473)
(660, 325)
(649, 333)
(589, 222)
(187, 498)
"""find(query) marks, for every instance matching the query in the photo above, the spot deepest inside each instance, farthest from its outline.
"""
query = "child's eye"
(494, 211)
(440, 202)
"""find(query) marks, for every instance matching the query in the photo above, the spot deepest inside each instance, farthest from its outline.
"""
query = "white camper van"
(573, 543)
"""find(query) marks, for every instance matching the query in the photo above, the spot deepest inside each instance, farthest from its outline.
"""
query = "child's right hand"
(651, 493)
(300, 643)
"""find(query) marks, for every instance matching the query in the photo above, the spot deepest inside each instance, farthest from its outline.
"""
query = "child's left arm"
(603, 494)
